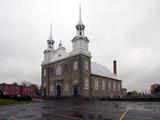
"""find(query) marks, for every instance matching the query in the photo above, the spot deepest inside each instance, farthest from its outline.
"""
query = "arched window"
(59, 70)
(103, 85)
(109, 85)
(66, 87)
(86, 83)
(86, 65)
(119, 86)
(96, 84)
(44, 84)
(51, 88)
(75, 65)
(44, 72)
(114, 86)
(75, 81)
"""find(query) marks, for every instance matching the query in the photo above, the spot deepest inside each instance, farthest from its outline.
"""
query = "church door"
(76, 94)
(58, 89)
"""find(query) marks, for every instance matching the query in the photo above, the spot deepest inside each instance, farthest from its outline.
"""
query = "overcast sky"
(125, 30)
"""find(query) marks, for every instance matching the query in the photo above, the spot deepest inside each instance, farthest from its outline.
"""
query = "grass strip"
(12, 101)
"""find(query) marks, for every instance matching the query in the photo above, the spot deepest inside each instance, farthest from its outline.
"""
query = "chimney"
(115, 67)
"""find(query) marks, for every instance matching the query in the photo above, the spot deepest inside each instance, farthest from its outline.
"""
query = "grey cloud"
(125, 30)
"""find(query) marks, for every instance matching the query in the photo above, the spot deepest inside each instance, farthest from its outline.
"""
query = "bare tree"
(26, 83)
(155, 89)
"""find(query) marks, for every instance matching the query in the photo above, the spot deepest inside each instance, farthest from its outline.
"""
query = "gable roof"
(101, 70)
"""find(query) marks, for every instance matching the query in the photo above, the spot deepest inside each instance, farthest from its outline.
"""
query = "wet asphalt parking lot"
(81, 110)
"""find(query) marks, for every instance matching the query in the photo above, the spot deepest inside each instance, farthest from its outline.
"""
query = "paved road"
(81, 110)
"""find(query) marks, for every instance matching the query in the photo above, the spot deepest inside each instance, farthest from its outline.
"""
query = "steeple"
(80, 41)
(80, 19)
(50, 41)
(50, 35)
(80, 27)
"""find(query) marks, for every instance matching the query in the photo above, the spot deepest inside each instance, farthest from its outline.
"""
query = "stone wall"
(68, 77)
(105, 90)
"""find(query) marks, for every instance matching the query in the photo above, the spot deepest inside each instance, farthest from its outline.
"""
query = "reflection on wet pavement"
(89, 116)
(82, 110)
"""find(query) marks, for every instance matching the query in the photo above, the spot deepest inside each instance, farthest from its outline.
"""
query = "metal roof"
(101, 70)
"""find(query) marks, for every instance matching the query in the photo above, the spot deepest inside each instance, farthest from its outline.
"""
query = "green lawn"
(12, 101)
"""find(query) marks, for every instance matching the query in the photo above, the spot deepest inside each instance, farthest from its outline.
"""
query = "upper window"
(96, 84)
(103, 85)
(44, 84)
(51, 88)
(75, 81)
(44, 72)
(119, 86)
(85, 65)
(75, 65)
(114, 86)
(109, 85)
(59, 70)
(86, 84)
(66, 87)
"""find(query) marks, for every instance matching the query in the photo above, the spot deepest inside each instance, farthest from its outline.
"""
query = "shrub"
(6, 97)
(23, 98)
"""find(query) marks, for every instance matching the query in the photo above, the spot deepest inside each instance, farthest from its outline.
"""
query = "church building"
(73, 74)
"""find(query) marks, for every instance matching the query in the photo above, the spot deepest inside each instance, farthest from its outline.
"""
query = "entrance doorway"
(76, 92)
(58, 90)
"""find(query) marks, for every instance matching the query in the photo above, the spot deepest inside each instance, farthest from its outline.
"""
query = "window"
(86, 84)
(51, 88)
(80, 33)
(119, 86)
(75, 81)
(85, 65)
(66, 87)
(58, 70)
(103, 85)
(44, 72)
(114, 86)
(75, 65)
(65, 68)
(109, 85)
(96, 84)
(44, 84)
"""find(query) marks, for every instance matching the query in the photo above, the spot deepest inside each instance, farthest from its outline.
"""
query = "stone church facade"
(73, 74)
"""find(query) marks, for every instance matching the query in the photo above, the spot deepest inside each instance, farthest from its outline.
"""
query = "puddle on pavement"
(87, 116)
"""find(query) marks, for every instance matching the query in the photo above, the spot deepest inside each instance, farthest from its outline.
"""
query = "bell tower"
(80, 41)
(50, 41)
(48, 53)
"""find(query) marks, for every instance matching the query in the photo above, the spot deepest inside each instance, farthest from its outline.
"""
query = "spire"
(50, 36)
(50, 40)
(80, 19)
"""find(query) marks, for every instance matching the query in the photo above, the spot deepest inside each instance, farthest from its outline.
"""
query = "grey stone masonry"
(68, 78)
